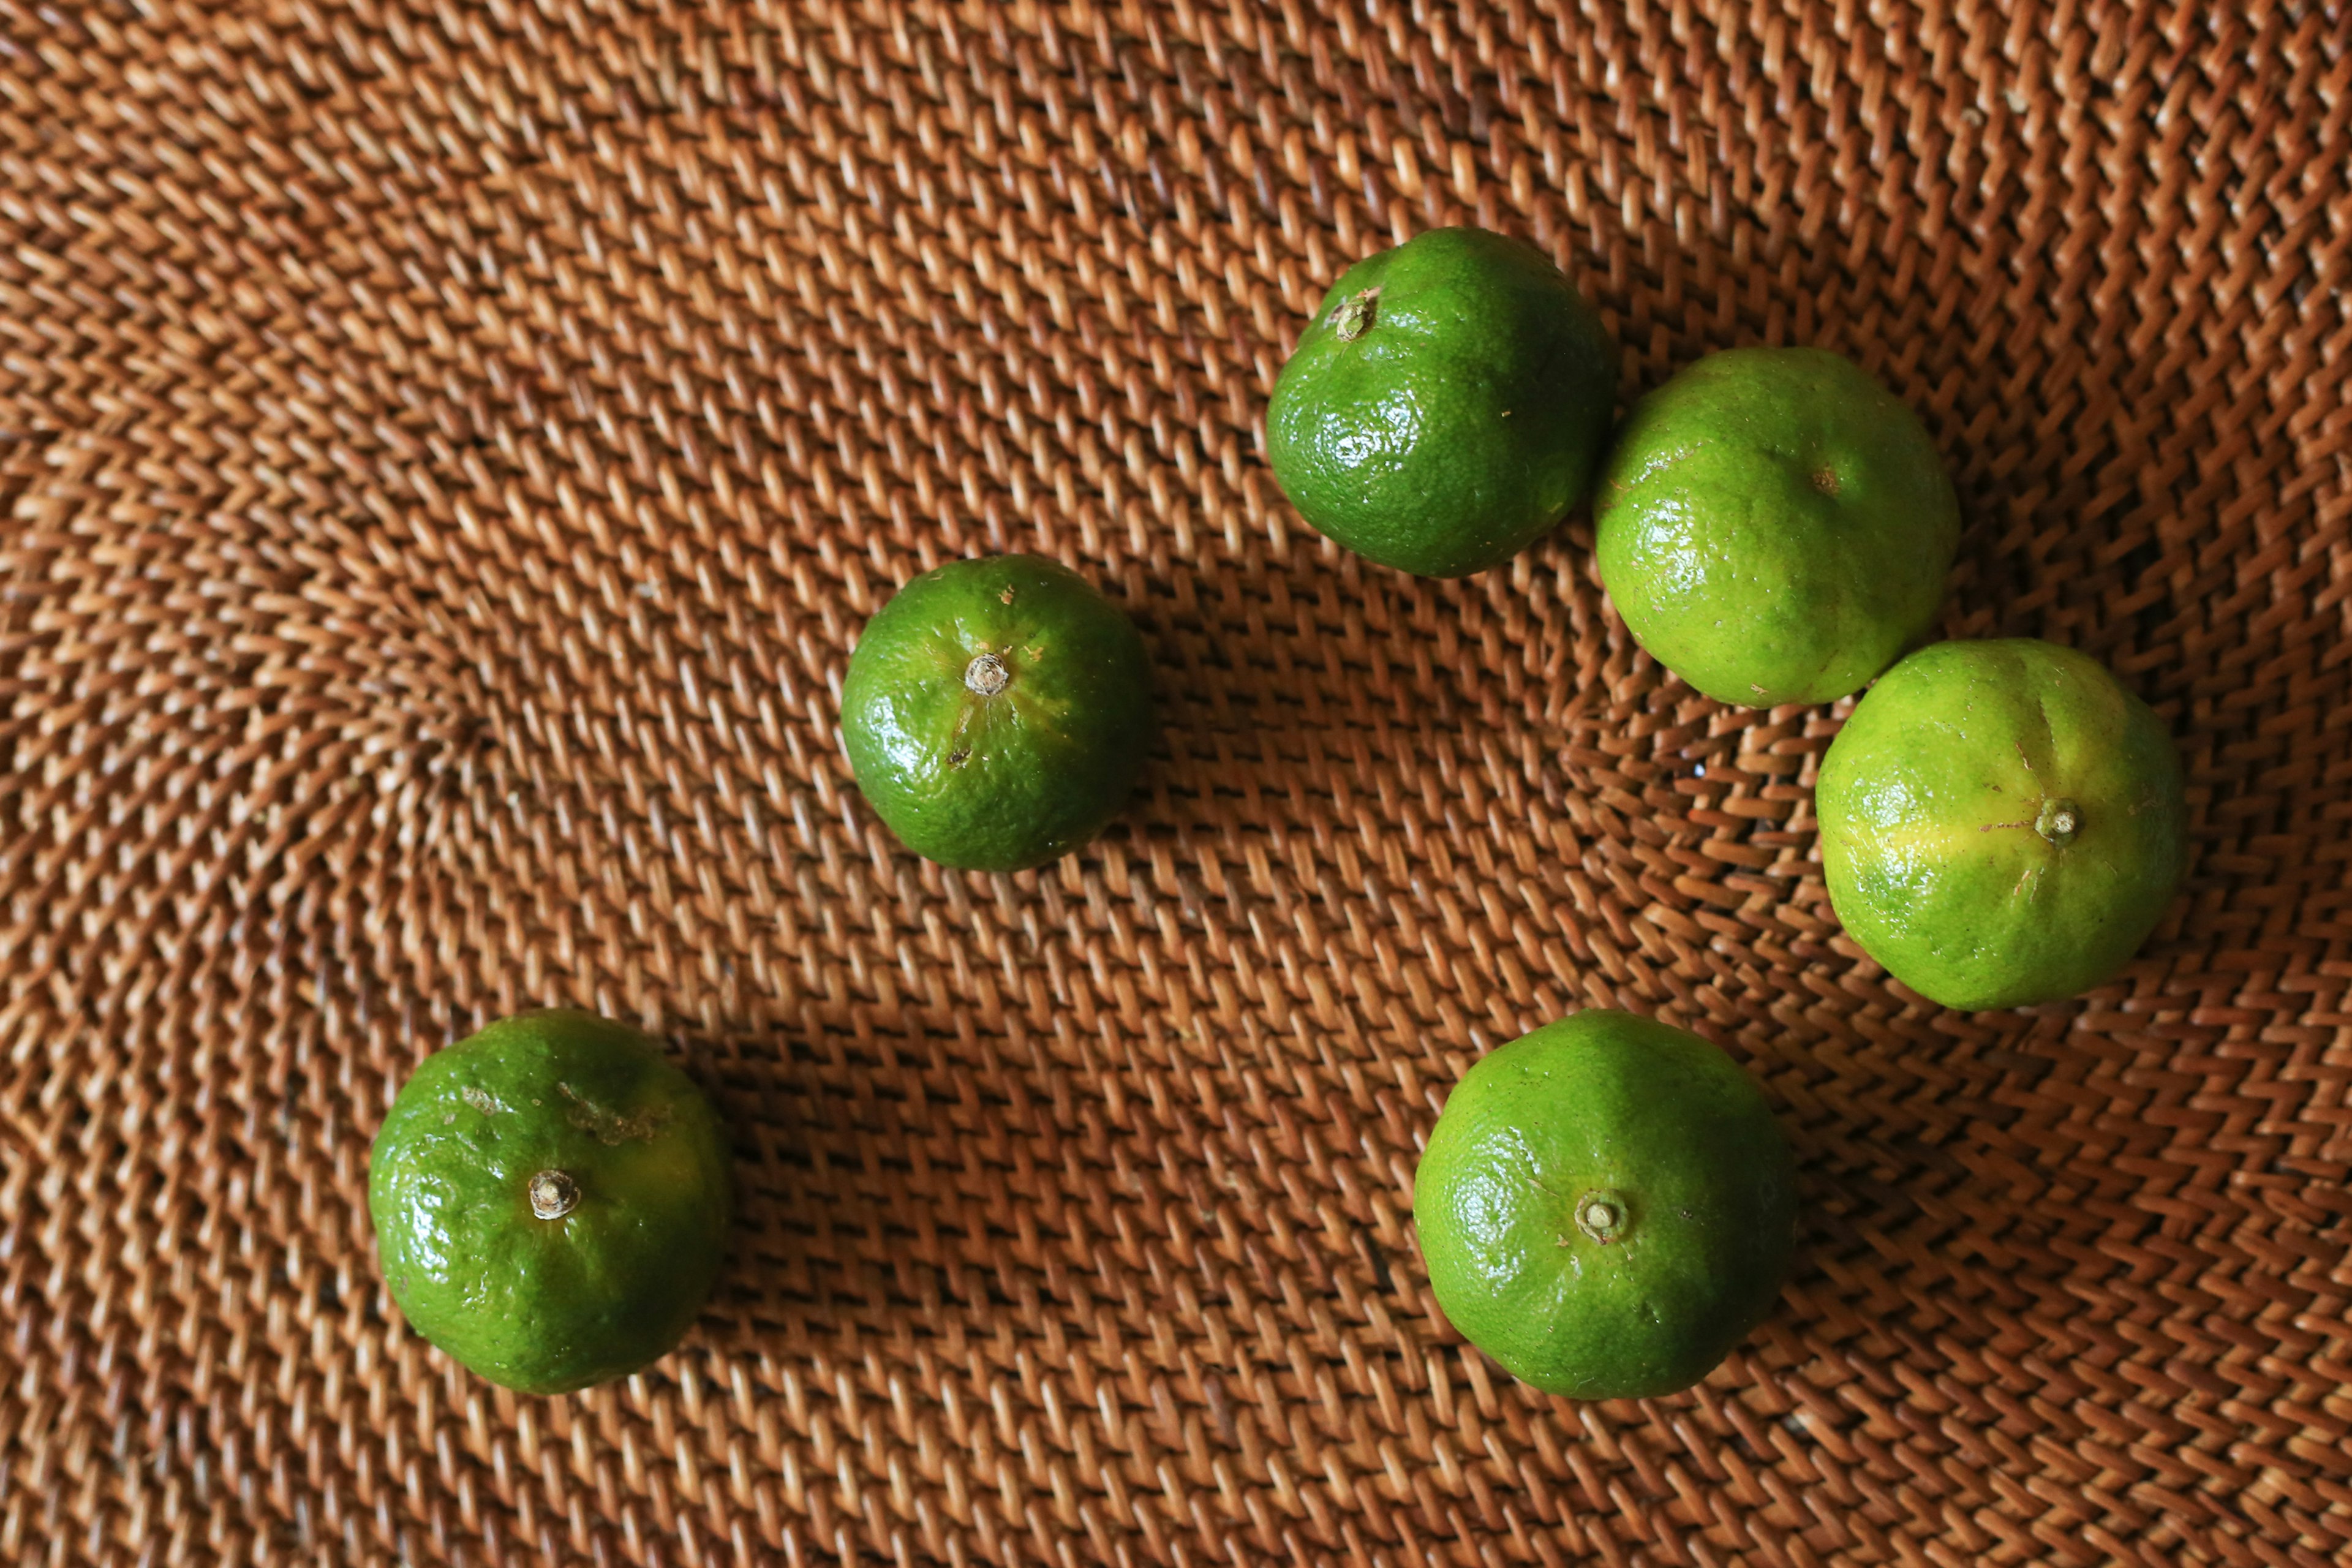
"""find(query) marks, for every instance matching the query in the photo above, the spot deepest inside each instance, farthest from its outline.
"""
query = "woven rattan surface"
(451, 446)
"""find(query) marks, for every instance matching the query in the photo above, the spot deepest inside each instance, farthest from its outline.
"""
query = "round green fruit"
(2001, 823)
(1446, 405)
(550, 1200)
(1775, 526)
(1607, 1207)
(997, 711)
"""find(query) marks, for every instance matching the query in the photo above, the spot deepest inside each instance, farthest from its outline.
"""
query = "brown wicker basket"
(450, 449)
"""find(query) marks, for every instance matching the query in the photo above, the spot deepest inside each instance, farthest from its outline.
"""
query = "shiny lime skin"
(1449, 420)
(1001, 780)
(2001, 823)
(1674, 1138)
(547, 1305)
(1775, 526)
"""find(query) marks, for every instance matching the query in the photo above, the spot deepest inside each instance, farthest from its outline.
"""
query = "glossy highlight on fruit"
(1607, 1207)
(1775, 526)
(997, 713)
(2002, 823)
(1447, 404)
(550, 1200)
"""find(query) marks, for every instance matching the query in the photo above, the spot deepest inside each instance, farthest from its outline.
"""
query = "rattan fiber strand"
(450, 448)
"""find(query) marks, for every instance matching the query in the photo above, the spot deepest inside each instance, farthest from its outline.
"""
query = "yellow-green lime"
(2001, 823)
(997, 711)
(1775, 526)
(1606, 1206)
(550, 1200)
(1446, 405)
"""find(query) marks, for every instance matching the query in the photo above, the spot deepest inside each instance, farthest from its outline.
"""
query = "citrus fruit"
(550, 1200)
(1446, 405)
(1606, 1206)
(2001, 823)
(997, 711)
(1774, 526)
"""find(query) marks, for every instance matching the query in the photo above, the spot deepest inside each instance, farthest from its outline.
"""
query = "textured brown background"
(451, 445)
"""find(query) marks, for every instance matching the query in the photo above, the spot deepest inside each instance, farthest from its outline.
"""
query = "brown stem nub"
(1354, 315)
(553, 1194)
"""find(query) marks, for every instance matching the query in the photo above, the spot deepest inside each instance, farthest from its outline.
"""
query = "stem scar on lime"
(553, 1194)
(2059, 821)
(986, 675)
(1354, 315)
(1601, 1214)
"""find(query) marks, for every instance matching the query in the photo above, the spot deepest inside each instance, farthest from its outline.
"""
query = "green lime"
(1606, 1206)
(1775, 526)
(1446, 405)
(997, 711)
(2001, 823)
(550, 1200)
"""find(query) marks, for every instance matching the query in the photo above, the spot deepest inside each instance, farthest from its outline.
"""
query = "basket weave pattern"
(450, 449)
